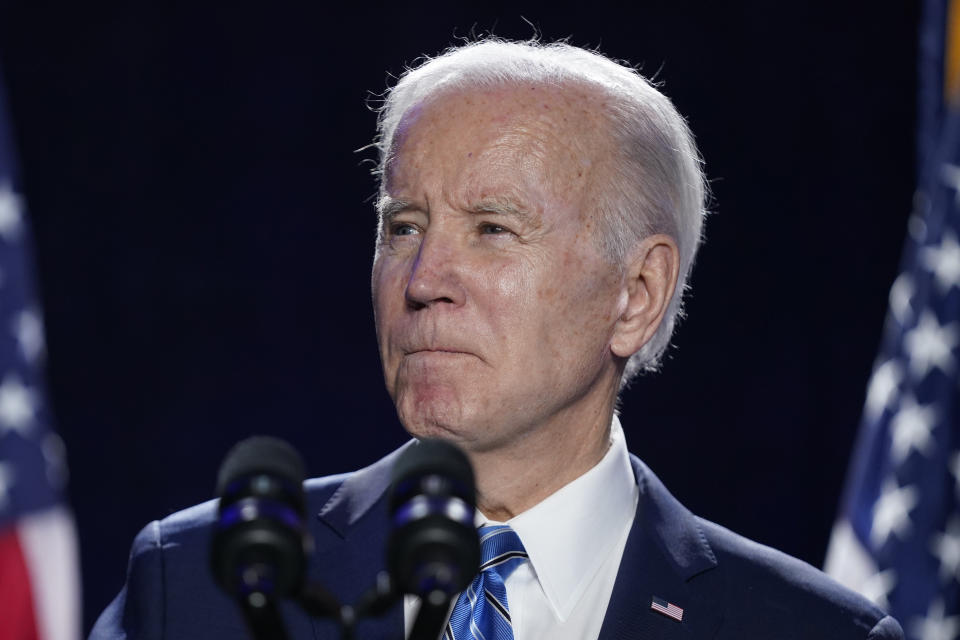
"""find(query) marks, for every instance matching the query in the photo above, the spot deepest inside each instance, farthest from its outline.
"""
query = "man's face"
(494, 307)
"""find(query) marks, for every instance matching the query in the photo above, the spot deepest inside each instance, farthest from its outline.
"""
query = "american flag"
(897, 539)
(666, 608)
(39, 577)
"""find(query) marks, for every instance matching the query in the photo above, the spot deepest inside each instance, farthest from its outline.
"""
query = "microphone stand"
(258, 551)
(262, 617)
(431, 617)
(320, 603)
(265, 622)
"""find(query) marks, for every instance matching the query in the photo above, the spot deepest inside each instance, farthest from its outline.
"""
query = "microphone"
(433, 550)
(260, 537)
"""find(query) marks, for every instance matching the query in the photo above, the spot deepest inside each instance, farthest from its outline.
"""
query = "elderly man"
(539, 212)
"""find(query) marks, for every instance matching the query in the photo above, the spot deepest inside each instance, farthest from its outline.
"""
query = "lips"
(448, 349)
(427, 340)
(410, 347)
(439, 351)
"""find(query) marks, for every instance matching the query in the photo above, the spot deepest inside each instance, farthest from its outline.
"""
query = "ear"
(651, 279)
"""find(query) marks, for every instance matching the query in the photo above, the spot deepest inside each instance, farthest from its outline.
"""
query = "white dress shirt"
(574, 539)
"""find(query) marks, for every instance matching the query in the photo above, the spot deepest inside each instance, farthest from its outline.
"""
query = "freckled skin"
(495, 329)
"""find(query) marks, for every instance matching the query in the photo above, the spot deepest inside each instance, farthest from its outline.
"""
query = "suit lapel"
(350, 538)
(666, 557)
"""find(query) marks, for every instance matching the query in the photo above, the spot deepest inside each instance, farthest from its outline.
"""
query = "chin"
(471, 435)
(447, 421)
(429, 415)
(457, 410)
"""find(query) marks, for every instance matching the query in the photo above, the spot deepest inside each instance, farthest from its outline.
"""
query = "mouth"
(439, 356)
(438, 351)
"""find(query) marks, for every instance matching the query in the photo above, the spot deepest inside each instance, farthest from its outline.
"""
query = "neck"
(512, 480)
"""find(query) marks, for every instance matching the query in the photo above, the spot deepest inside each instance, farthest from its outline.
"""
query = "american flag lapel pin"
(666, 608)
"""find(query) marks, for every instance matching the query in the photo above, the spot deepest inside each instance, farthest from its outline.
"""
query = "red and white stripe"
(670, 610)
(40, 578)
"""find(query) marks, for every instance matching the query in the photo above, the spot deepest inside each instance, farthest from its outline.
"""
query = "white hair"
(656, 184)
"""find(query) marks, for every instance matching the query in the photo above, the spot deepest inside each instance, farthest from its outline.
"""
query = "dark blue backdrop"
(204, 236)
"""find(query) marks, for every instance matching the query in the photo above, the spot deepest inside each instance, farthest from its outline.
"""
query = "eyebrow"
(388, 207)
(501, 206)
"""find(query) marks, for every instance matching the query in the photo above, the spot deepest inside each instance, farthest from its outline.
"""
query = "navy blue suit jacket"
(729, 587)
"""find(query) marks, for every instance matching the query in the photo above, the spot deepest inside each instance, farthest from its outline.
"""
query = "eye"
(489, 228)
(402, 229)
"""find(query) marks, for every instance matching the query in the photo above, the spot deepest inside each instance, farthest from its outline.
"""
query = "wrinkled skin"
(497, 316)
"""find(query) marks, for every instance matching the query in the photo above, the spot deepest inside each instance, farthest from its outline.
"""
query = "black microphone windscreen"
(261, 454)
(433, 550)
(435, 457)
(260, 535)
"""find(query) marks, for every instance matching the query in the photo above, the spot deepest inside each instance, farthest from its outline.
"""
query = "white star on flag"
(911, 429)
(878, 587)
(955, 469)
(901, 506)
(944, 262)
(28, 330)
(55, 455)
(884, 381)
(901, 292)
(33, 508)
(946, 548)
(891, 513)
(930, 344)
(916, 225)
(6, 481)
(935, 626)
(950, 173)
(11, 212)
(18, 405)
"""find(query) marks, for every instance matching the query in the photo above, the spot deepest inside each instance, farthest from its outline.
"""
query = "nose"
(434, 278)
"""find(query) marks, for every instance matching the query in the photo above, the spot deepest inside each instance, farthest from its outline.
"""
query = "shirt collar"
(592, 512)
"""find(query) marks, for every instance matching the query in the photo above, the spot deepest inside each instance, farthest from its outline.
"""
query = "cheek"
(387, 287)
(579, 299)
(387, 281)
(510, 282)
(507, 298)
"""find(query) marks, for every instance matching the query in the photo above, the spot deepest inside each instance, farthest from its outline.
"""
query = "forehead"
(517, 137)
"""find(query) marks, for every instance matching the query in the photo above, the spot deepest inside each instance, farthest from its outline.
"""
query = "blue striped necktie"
(481, 611)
